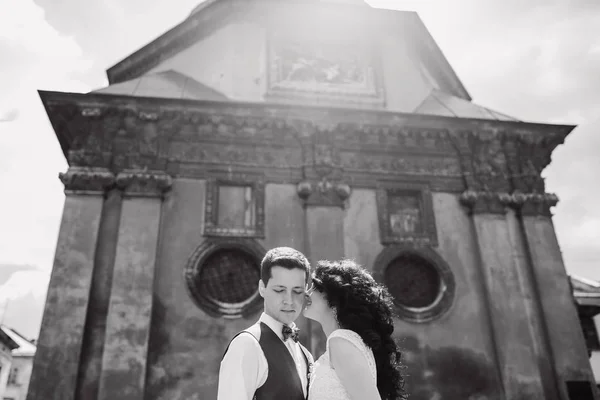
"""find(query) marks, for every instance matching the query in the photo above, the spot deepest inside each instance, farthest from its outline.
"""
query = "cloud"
(537, 61)
(25, 281)
(23, 291)
(35, 56)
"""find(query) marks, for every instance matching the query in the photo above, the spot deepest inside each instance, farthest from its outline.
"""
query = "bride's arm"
(353, 370)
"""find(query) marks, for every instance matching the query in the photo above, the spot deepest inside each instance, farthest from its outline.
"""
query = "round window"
(413, 281)
(419, 280)
(222, 277)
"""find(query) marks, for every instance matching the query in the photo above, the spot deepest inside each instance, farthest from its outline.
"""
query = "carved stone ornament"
(534, 204)
(81, 180)
(337, 72)
(324, 193)
(530, 204)
(143, 183)
(482, 202)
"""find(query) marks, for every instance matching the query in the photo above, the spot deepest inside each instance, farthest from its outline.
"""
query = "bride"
(361, 361)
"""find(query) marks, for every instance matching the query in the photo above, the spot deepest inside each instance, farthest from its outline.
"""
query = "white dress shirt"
(244, 367)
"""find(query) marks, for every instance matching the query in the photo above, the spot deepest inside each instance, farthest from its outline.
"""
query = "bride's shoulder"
(347, 334)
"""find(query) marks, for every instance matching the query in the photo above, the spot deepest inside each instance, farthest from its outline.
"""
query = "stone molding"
(91, 181)
(143, 183)
(528, 204)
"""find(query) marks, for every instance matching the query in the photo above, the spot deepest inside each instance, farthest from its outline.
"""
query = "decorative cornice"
(92, 181)
(528, 204)
(535, 204)
(143, 183)
(290, 144)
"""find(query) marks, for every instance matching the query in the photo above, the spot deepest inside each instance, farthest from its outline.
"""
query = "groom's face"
(284, 293)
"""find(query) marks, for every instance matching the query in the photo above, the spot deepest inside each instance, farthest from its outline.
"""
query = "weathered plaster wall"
(361, 228)
(452, 356)
(186, 344)
(565, 334)
(61, 335)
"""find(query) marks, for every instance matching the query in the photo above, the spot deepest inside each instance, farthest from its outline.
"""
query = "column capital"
(135, 183)
(485, 202)
(87, 180)
(323, 193)
(534, 204)
(530, 204)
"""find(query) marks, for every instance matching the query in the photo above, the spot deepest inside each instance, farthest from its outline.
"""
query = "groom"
(266, 361)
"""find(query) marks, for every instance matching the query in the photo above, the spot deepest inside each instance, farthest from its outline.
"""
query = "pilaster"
(324, 197)
(565, 340)
(56, 364)
(514, 324)
(129, 314)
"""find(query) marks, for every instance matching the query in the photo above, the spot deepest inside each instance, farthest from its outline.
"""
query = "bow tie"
(290, 333)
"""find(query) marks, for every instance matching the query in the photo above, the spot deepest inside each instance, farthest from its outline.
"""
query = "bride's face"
(316, 305)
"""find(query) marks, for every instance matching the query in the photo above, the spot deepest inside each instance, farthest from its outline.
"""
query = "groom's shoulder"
(250, 334)
(244, 341)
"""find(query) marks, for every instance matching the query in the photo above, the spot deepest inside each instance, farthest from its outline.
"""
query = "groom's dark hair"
(285, 257)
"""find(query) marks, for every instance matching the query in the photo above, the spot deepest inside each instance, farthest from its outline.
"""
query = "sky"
(537, 60)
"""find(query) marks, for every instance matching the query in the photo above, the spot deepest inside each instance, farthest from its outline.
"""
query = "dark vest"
(283, 382)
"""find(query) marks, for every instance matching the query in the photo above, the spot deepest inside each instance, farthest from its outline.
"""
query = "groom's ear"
(261, 288)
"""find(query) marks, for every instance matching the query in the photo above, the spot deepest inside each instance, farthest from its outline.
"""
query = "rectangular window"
(406, 213)
(235, 208)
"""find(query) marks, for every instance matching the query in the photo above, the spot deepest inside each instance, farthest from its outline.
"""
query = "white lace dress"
(324, 382)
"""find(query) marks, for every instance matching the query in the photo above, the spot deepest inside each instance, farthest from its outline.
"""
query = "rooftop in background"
(7, 339)
(168, 84)
(25, 348)
(586, 291)
(201, 58)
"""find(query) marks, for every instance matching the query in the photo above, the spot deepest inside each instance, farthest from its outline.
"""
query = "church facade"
(331, 127)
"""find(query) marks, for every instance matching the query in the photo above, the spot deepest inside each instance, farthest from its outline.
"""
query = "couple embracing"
(361, 361)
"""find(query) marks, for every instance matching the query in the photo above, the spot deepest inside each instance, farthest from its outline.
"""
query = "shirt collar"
(275, 325)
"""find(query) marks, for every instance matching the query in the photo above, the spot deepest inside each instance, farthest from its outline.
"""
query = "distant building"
(587, 297)
(17, 382)
(7, 345)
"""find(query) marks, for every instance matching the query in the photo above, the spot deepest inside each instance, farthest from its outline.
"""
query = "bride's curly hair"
(365, 307)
